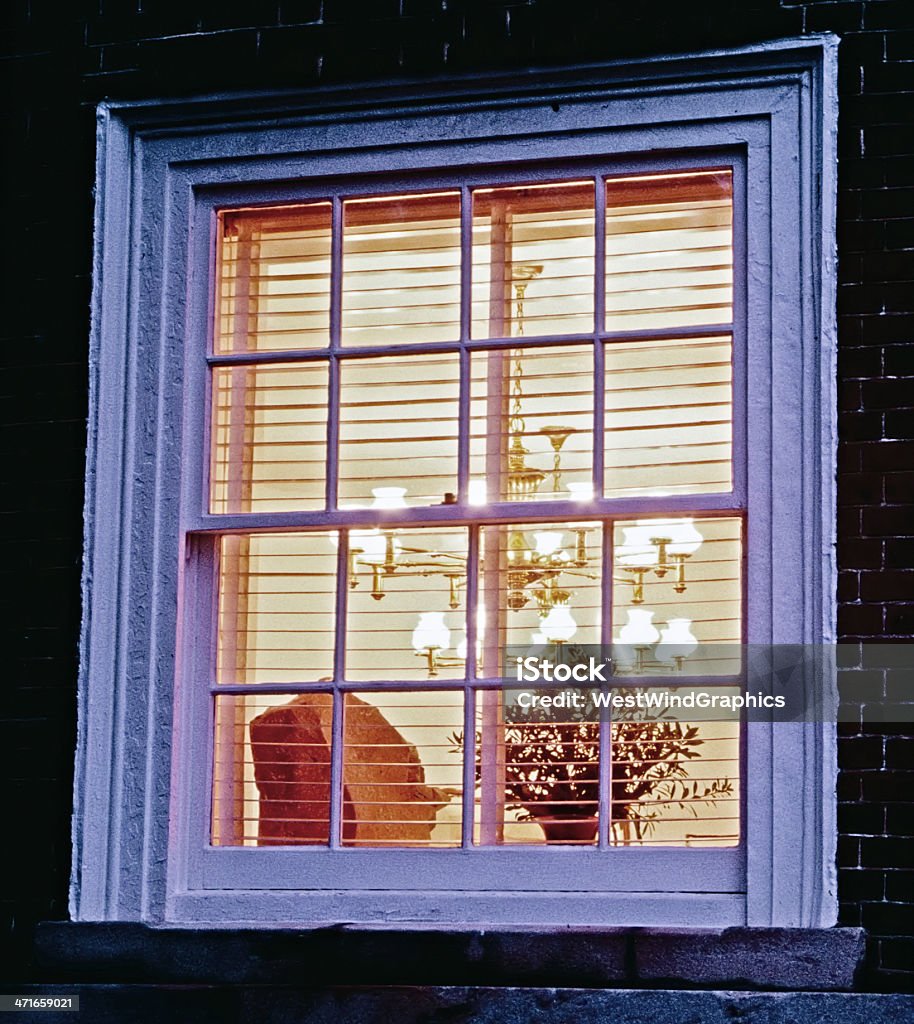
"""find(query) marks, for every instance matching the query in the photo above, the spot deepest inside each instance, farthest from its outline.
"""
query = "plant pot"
(568, 830)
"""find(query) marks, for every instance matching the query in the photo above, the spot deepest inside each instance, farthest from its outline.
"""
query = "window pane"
(538, 583)
(402, 771)
(276, 607)
(669, 417)
(669, 250)
(269, 438)
(274, 279)
(401, 269)
(676, 585)
(532, 424)
(271, 773)
(537, 781)
(675, 783)
(533, 253)
(398, 430)
(407, 608)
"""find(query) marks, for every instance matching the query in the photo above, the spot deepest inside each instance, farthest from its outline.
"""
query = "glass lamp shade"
(548, 542)
(431, 633)
(640, 630)
(476, 492)
(559, 625)
(581, 491)
(388, 497)
(371, 546)
(636, 549)
(683, 538)
(676, 641)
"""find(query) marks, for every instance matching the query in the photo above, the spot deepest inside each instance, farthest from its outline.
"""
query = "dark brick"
(834, 17)
(899, 553)
(893, 76)
(849, 852)
(889, 585)
(888, 918)
(899, 234)
(861, 553)
(899, 753)
(863, 752)
(858, 884)
(890, 14)
(899, 621)
(862, 819)
(889, 521)
(899, 426)
(897, 955)
(859, 621)
(860, 426)
(860, 685)
(888, 787)
(861, 236)
(898, 886)
(899, 819)
(849, 785)
(899, 45)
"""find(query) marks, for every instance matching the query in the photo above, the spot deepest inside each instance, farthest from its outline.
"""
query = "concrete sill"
(796, 959)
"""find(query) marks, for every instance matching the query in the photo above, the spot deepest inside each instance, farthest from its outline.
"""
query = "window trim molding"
(153, 160)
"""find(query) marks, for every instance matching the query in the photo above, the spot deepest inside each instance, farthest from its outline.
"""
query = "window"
(396, 409)
(489, 412)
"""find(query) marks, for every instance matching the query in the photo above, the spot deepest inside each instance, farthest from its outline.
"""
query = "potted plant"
(551, 773)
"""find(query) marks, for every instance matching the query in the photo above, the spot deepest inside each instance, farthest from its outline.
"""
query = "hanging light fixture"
(431, 637)
(660, 545)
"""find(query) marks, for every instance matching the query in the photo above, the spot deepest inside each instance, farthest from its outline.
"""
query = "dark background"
(59, 59)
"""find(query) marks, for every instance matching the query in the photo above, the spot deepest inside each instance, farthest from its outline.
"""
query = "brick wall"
(59, 59)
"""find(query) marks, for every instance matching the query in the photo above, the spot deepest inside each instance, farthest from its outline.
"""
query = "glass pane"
(401, 269)
(271, 772)
(538, 584)
(669, 250)
(677, 585)
(398, 431)
(269, 438)
(402, 769)
(407, 607)
(669, 417)
(675, 783)
(537, 781)
(532, 424)
(533, 259)
(274, 279)
(276, 607)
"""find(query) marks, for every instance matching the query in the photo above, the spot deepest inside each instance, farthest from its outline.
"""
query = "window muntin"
(512, 423)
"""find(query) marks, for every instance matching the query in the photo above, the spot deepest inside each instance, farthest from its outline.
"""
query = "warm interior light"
(637, 549)
(559, 625)
(581, 490)
(676, 642)
(388, 497)
(640, 630)
(371, 545)
(431, 633)
(548, 542)
(476, 492)
(684, 537)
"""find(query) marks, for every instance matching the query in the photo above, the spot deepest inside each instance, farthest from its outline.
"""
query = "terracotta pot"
(568, 830)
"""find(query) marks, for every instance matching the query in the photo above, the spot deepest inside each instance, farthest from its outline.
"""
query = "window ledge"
(733, 958)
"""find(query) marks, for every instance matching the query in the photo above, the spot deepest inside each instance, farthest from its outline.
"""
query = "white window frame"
(140, 852)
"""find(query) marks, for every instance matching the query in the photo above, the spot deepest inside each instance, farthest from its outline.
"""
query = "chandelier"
(540, 574)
